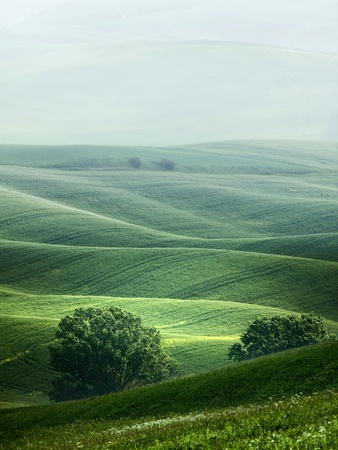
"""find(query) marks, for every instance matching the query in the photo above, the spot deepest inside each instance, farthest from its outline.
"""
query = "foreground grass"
(300, 422)
(307, 370)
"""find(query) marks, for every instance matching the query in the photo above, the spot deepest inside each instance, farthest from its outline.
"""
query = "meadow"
(280, 401)
(237, 230)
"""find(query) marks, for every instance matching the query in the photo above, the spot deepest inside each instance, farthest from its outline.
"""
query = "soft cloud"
(14, 12)
(304, 24)
(167, 71)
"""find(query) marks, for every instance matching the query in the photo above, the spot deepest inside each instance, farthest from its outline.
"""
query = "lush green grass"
(316, 246)
(307, 370)
(227, 156)
(298, 284)
(236, 229)
(147, 223)
(173, 206)
(297, 197)
(302, 422)
(25, 376)
(196, 332)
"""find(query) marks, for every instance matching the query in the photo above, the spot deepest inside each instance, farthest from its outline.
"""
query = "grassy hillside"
(219, 200)
(298, 423)
(236, 230)
(292, 373)
(196, 332)
(298, 284)
(225, 156)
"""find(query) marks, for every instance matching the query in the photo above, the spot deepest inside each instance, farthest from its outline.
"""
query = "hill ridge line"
(151, 299)
(197, 249)
(90, 213)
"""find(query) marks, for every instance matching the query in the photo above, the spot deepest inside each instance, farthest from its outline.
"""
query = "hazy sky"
(151, 71)
(306, 24)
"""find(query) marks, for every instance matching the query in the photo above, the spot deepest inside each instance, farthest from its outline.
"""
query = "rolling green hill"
(236, 230)
(298, 284)
(197, 332)
(285, 394)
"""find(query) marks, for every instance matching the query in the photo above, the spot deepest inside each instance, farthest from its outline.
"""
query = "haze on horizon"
(167, 72)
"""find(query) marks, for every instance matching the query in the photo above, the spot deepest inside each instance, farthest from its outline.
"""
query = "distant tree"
(98, 351)
(167, 164)
(135, 162)
(273, 334)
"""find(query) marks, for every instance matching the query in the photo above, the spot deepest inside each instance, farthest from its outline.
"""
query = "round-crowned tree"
(135, 162)
(98, 351)
(167, 164)
(273, 334)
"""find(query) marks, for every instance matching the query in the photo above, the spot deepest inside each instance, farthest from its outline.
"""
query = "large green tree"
(98, 351)
(273, 334)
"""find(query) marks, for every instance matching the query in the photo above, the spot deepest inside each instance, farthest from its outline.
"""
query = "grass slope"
(237, 230)
(186, 205)
(196, 332)
(30, 218)
(298, 423)
(298, 284)
(226, 156)
(235, 189)
(307, 370)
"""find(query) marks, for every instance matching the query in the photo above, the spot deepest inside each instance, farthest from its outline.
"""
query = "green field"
(236, 230)
(287, 400)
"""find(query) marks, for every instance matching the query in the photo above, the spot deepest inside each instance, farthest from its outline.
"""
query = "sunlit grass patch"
(36, 317)
(186, 339)
(299, 284)
(197, 333)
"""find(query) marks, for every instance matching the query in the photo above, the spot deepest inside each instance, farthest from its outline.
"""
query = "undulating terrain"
(236, 230)
(142, 204)
(281, 401)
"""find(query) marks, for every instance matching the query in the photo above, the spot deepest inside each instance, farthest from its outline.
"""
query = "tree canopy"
(167, 164)
(135, 162)
(98, 351)
(273, 334)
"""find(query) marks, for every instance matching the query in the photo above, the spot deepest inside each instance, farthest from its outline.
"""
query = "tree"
(98, 351)
(167, 164)
(273, 334)
(135, 162)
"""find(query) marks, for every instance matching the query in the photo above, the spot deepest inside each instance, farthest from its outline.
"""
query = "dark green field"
(287, 400)
(236, 230)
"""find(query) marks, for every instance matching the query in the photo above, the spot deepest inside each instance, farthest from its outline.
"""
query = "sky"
(304, 24)
(162, 72)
